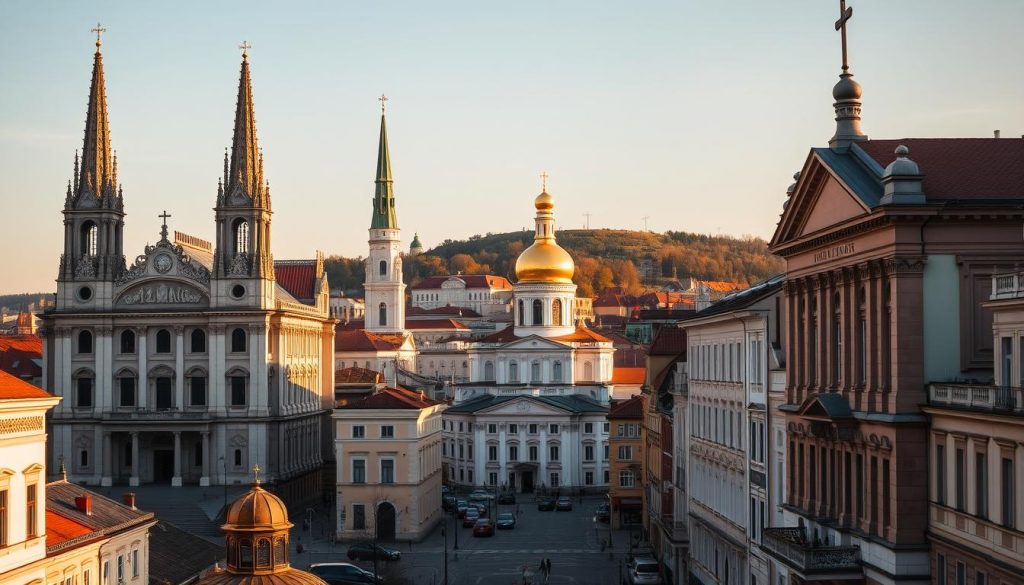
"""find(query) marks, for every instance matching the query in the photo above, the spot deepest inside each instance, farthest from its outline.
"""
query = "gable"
(522, 406)
(834, 204)
(533, 342)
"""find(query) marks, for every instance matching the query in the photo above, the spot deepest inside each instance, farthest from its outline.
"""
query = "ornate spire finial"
(845, 14)
(846, 93)
(246, 169)
(256, 474)
(163, 229)
(544, 181)
(99, 30)
(96, 173)
(245, 46)
(383, 100)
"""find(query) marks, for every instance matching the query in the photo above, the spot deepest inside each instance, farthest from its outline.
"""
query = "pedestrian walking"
(547, 566)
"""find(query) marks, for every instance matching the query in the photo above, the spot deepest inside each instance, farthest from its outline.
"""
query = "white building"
(533, 411)
(346, 309)
(734, 346)
(198, 360)
(486, 294)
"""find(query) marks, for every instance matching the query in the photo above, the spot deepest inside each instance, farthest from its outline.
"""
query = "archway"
(386, 521)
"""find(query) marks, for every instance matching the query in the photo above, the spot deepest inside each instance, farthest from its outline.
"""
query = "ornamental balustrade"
(790, 545)
(987, 397)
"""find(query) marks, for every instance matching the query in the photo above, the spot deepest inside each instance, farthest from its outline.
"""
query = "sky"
(693, 114)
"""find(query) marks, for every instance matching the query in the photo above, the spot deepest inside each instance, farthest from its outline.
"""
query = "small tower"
(846, 93)
(416, 248)
(93, 211)
(243, 267)
(384, 289)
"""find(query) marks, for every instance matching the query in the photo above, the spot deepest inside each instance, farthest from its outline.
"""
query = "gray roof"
(108, 516)
(574, 403)
(176, 556)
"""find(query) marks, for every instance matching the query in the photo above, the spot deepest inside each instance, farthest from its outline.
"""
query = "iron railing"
(790, 545)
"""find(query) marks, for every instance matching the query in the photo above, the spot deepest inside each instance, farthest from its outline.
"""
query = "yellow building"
(626, 457)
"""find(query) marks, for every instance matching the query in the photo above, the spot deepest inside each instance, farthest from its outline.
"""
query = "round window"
(238, 291)
(85, 293)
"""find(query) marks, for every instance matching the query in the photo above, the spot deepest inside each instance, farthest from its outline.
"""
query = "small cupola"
(902, 180)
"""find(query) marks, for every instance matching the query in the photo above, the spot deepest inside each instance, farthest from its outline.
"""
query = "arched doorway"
(385, 521)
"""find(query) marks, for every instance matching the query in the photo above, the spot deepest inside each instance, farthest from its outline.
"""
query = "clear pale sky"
(694, 113)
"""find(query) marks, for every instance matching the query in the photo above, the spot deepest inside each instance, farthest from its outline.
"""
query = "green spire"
(384, 216)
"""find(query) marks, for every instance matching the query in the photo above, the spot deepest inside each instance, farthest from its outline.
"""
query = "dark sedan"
(546, 504)
(460, 507)
(469, 520)
(483, 527)
(506, 521)
(564, 504)
(365, 551)
(344, 574)
(507, 498)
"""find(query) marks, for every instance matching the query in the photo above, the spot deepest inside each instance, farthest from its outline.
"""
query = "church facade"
(532, 415)
(198, 360)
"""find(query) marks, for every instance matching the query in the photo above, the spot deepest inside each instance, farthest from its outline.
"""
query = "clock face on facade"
(163, 263)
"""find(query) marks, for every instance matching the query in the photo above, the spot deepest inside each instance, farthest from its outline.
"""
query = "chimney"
(84, 504)
(129, 500)
(995, 134)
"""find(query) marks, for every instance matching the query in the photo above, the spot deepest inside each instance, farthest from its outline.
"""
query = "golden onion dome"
(257, 510)
(545, 260)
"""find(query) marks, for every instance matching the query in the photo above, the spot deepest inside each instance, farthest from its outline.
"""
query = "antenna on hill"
(587, 215)
(645, 218)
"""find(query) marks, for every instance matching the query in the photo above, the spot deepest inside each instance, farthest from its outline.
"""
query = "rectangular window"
(532, 429)
(605, 427)
(164, 393)
(358, 471)
(127, 387)
(940, 569)
(588, 452)
(106, 571)
(961, 480)
(492, 478)
(513, 453)
(237, 390)
(135, 563)
(197, 391)
(31, 514)
(981, 486)
(462, 451)
(588, 478)
(625, 453)
(84, 394)
(533, 452)
(605, 453)
(588, 428)
(358, 517)
(553, 452)
(606, 475)
(980, 578)
(940, 473)
(492, 452)
(626, 479)
(513, 428)
(3, 518)
(1008, 494)
(387, 471)
(961, 573)
(87, 577)
(358, 431)
(492, 428)
(120, 568)
(554, 479)
(553, 429)
(387, 432)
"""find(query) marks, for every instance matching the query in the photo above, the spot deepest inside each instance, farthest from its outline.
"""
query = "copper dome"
(256, 510)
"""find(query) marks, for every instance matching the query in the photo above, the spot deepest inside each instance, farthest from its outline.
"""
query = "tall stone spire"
(384, 216)
(96, 172)
(246, 173)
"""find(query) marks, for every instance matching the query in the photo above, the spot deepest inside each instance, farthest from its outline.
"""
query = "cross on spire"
(845, 14)
(544, 181)
(245, 46)
(99, 30)
(256, 474)
(163, 229)
(382, 99)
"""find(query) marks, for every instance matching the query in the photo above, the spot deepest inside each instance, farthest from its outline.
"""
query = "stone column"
(257, 386)
(176, 480)
(179, 367)
(133, 481)
(205, 479)
(143, 382)
(217, 384)
(542, 451)
(106, 480)
(502, 455)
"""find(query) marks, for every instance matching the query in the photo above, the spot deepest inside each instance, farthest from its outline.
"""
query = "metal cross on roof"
(844, 15)
(245, 46)
(99, 30)
(544, 180)
(382, 99)
(163, 230)
(256, 473)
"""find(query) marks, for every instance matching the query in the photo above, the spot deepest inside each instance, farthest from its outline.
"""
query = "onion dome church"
(533, 413)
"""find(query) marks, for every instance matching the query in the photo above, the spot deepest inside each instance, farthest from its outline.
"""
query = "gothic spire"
(96, 172)
(384, 216)
(246, 171)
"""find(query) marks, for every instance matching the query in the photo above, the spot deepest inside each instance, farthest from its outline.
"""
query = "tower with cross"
(847, 91)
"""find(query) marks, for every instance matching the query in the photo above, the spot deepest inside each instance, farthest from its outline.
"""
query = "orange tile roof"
(61, 529)
(631, 408)
(356, 375)
(361, 340)
(392, 398)
(582, 334)
(15, 388)
(298, 277)
(434, 324)
(17, 353)
(629, 375)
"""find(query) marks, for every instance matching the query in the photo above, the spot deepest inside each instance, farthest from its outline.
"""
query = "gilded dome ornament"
(545, 260)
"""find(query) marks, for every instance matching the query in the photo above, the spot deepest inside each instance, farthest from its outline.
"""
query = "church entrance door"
(163, 465)
(527, 482)
(386, 521)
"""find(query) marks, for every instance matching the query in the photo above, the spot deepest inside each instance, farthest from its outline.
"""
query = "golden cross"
(245, 46)
(383, 98)
(98, 30)
(256, 473)
(544, 181)
(844, 15)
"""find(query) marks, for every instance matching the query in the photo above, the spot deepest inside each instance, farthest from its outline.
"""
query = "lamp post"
(224, 480)
(455, 522)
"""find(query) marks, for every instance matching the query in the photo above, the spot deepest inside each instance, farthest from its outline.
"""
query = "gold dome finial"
(255, 472)
(545, 260)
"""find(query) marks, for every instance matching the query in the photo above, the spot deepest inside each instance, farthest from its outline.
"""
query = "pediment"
(165, 260)
(826, 405)
(523, 406)
(820, 199)
(533, 342)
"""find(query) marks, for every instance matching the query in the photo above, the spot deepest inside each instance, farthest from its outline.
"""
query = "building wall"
(484, 300)
(625, 468)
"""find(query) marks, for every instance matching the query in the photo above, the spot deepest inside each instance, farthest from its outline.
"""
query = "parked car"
(603, 513)
(460, 507)
(546, 504)
(644, 571)
(469, 520)
(481, 508)
(365, 551)
(507, 498)
(448, 502)
(480, 496)
(506, 521)
(344, 574)
(483, 527)
(564, 504)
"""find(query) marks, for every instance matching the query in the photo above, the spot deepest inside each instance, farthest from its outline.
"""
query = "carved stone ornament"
(162, 293)
(165, 256)
(85, 268)
(239, 265)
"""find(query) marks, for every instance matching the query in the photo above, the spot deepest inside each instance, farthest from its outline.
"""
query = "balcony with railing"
(675, 530)
(789, 545)
(979, 397)
(1007, 285)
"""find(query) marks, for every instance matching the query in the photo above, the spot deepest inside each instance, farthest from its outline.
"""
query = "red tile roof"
(62, 529)
(434, 324)
(362, 340)
(632, 408)
(668, 341)
(629, 375)
(392, 398)
(504, 336)
(16, 388)
(356, 375)
(471, 280)
(582, 334)
(17, 353)
(298, 277)
(960, 168)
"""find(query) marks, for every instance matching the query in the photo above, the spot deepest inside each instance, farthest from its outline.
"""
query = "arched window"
(83, 390)
(556, 312)
(488, 371)
(238, 340)
(538, 312)
(522, 314)
(383, 267)
(127, 341)
(197, 343)
(163, 341)
(535, 372)
(89, 237)
(588, 371)
(84, 342)
(513, 371)
(556, 372)
(240, 233)
(383, 314)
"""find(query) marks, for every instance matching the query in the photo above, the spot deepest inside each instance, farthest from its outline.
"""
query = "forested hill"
(632, 259)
